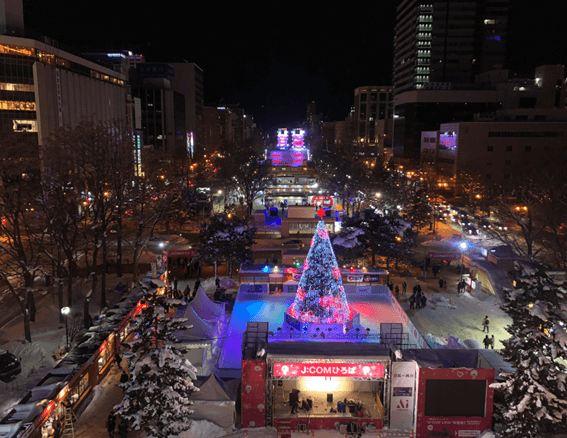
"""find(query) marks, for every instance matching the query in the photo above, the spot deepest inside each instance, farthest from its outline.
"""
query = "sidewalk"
(465, 320)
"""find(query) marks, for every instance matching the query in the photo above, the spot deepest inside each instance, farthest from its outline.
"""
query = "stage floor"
(322, 408)
(374, 309)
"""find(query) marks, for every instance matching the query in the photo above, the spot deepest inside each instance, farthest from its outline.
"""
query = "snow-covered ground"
(437, 321)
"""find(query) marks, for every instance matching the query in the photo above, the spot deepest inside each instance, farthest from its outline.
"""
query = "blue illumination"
(265, 269)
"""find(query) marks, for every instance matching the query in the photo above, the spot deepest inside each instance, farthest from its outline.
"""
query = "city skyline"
(273, 65)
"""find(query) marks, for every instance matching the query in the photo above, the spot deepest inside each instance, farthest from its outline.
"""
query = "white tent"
(213, 404)
(200, 330)
(205, 308)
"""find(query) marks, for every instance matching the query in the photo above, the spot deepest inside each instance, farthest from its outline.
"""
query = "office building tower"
(371, 108)
(438, 43)
(171, 100)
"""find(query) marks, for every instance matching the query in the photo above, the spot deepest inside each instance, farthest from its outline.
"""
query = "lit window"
(18, 106)
(24, 125)
(16, 87)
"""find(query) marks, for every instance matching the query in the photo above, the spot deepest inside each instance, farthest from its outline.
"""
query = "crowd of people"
(417, 299)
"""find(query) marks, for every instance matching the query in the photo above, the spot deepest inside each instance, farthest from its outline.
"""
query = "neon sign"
(375, 370)
(297, 138)
(282, 138)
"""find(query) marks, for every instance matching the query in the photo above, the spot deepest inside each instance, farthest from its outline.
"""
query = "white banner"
(402, 402)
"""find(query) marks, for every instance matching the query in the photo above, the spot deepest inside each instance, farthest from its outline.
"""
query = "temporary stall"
(205, 308)
(212, 403)
(200, 330)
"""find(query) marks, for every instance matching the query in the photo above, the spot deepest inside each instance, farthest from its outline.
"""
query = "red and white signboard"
(441, 407)
(402, 405)
(375, 370)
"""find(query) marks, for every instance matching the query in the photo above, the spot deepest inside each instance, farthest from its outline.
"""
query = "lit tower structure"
(282, 138)
(320, 303)
(298, 139)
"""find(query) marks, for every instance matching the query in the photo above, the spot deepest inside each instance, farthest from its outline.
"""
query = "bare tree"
(245, 171)
(95, 159)
(21, 220)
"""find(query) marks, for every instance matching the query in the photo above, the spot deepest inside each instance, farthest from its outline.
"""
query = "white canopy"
(201, 329)
(213, 404)
(205, 308)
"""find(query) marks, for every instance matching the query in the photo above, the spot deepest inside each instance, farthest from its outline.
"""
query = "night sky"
(273, 61)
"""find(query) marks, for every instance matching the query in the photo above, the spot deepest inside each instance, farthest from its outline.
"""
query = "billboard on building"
(442, 408)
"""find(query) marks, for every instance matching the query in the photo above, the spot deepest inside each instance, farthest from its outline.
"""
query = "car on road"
(10, 366)
(294, 243)
(471, 230)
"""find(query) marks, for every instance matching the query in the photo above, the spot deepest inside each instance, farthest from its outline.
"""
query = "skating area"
(374, 309)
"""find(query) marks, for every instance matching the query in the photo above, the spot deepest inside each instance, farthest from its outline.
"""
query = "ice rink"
(374, 309)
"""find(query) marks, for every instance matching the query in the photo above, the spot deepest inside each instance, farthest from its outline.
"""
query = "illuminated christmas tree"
(320, 297)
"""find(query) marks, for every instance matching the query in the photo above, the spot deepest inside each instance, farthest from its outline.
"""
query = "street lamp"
(463, 246)
(65, 311)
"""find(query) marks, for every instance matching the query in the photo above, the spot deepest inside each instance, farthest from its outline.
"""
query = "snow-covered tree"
(373, 234)
(156, 397)
(535, 393)
(226, 239)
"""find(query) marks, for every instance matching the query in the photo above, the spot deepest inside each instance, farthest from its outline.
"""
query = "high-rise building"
(44, 88)
(437, 43)
(371, 105)
(172, 100)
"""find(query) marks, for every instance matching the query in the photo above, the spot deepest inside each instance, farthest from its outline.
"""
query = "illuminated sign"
(370, 370)
(448, 140)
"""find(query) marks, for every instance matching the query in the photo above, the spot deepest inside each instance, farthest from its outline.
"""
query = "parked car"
(10, 366)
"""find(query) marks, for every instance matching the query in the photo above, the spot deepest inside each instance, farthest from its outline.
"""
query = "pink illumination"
(375, 370)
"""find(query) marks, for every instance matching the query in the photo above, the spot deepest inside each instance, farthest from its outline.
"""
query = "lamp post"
(463, 246)
(65, 311)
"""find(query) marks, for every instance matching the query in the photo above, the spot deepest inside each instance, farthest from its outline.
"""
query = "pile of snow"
(33, 358)
(434, 341)
(209, 285)
(229, 283)
(473, 344)
(202, 429)
(206, 429)
(442, 301)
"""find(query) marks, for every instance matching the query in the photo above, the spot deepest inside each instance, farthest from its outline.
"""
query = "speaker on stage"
(330, 398)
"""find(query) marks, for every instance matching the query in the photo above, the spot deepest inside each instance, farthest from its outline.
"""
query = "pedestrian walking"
(397, 290)
(412, 302)
(186, 292)
(418, 288)
(440, 283)
(423, 300)
(123, 429)
(111, 423)
(418, 301)
(118, 359)
(492, 342)
(404, 287)
(486, 342)
(485, 324)
(197, 284)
